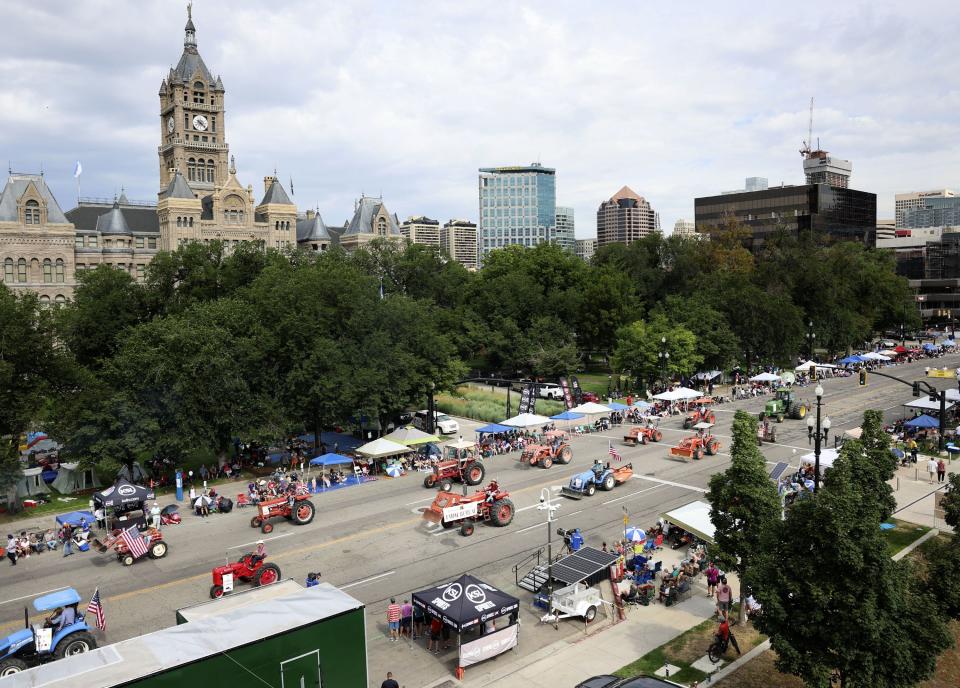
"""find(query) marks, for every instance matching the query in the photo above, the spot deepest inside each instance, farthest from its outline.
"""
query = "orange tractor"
(700, 414)
(460, 464)
(297, 509)
(490, 504)
(642, 435)
(556, 450)
(698, 445)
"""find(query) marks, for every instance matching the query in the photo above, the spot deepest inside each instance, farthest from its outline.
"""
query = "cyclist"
(724, 636)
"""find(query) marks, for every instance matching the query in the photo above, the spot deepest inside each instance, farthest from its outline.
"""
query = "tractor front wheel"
(474, 473)
(657, 436)
(501, 512)
(303, 512)
(267, 574)
(779, 417)
(801, 412)
(686, 424)
(609, 483)
(643, 439)
(466, 530)
(429, 481)
(127, 559)
(546, 462)
(591, 490)
(11, 666)
(266, 528)
(697, 454)
(255, 522)
(158, 550)
(216, 592)
(446, 486)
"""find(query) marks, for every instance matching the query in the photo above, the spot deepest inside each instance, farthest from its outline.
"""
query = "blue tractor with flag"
(599, 476)
(62, 634)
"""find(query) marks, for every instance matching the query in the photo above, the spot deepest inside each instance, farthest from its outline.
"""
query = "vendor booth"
(494, 429)
(765, 378)
(386, 455)
(71, 478)
(467, 606)
(925, 404)
(693, 518)
(526, 420)
(410, 437)
(827, 457)
(679, 394)
(333, 479)
(121, 501)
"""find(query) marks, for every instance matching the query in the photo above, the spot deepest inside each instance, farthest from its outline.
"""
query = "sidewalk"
(915, 494)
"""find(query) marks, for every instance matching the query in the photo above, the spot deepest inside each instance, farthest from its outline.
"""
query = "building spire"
(190, 31)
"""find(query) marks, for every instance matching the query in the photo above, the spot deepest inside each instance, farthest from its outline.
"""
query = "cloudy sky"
(407, 99)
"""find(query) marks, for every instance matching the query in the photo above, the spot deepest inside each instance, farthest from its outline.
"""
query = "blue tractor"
(600, 476)
(34, 644)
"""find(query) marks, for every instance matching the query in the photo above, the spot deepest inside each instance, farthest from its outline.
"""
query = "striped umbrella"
(394, 470)
(634, 534)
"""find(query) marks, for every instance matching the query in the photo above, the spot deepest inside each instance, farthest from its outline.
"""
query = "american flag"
(131, 538)
(96, 609)
(613, 452)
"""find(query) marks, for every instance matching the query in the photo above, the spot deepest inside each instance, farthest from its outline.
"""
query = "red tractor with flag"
(130, 545)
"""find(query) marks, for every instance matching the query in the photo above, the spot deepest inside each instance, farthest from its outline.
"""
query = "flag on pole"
(131, 538)
(613, 452)
(96, 610)
(77, 170)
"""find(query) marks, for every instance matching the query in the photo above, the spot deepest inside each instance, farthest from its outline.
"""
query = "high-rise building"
(624, 218)
(585, 248)
(518, 205)
(684, 228)
(820, 168)
(916, 199)
(564, 234)
(458, 238)
(751, 184)
(421, 230)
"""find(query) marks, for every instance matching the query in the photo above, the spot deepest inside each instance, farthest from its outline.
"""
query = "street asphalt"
(371, 540)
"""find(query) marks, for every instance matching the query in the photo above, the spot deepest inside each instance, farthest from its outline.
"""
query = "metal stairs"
(535, 579)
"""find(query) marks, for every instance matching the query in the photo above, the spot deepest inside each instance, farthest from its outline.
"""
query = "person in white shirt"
(932, 469)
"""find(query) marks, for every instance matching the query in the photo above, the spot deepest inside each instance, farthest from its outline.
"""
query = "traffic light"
(916, 389)
(863, 377)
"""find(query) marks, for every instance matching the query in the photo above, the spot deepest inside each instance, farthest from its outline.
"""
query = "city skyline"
(344, 106)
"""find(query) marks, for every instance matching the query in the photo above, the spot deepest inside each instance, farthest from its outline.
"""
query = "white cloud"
(409, 99)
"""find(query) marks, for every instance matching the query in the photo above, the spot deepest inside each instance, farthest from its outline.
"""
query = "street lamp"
(546, 504)
(817, 432)
(811, 337)
(664, 357)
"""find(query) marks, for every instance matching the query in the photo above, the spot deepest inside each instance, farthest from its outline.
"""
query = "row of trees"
(834, 602)
(251, 343)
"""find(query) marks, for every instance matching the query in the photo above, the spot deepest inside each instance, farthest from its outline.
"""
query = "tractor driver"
(491, 492)
(61, 618)
(598, 468)
(260, 554)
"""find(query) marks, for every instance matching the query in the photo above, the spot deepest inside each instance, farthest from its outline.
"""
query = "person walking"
(12, 549)
(724, 595)
(390, 682)
(433, 643)
(713, 577)
(932, 468)
(393, 619)
(406, 619)
(67, 540)
(941, 471)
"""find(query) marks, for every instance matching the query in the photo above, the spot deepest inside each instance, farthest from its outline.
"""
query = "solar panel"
(778, 471)
(584, 564)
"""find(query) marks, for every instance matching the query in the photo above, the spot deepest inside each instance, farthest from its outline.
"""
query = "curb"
(933, 532)
(739, 662)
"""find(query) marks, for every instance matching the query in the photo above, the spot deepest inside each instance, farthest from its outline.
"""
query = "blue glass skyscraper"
(518, 205)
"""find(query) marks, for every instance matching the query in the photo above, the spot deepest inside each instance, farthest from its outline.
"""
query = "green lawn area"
(486, 406)
(902, 535)
(597, 383)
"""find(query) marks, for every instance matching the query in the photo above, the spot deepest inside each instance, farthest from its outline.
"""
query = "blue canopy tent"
(642, 404)
(494, 428)
(330, 460)
(923, 421)
(617, 406)
(566, 415)
(850, 359)
(325, 483)
(73, 518)
(928, 346)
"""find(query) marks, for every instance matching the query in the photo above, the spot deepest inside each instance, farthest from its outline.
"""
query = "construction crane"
(806, 150)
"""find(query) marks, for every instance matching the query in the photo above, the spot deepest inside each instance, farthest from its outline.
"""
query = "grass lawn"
(904, 534)
(487, 406)
(687, 648)
(596, 383)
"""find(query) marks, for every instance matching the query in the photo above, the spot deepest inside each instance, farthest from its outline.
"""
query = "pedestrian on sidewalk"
(406, 619)
(67, 540)
(12, 549)
(724, 595)
(932, 468)
(393, 619)
(941, 470)
(713, 577)
(433, 643)
(390, 682)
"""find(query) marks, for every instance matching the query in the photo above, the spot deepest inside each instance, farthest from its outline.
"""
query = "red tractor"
(156, 546)
(642, 435)
(460, 464)
(490, 504)
(696, 446)
(700, 414)
(247, 569)
(557, 450)
(295, 508)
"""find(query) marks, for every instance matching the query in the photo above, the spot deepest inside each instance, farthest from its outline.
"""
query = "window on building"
(47, 271)
(78, 241)
(81, 267)
(198, 93)
(191, 222)
(31, 213)
(141, 271)
(60, 299)
(382, 226)
(186, 116)
(8, 271)
(213, 123)
(92, 241)
(22, 270)
(210, 169)
(138, 242)
(60, 270)
(179, 221)
(45, 300)
(152, 242)
(192, 169)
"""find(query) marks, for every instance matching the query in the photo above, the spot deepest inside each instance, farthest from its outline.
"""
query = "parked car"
(549, 390)
(888, 343)
(443, 423)
(608, 681)
(589, 396)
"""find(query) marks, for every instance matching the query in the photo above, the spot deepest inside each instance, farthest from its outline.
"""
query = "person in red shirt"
(724, 635)
(393, 619)
(434, 641)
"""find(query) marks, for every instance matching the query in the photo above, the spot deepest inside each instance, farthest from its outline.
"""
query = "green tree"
(716, 341)
(639, 343)
(743, 503)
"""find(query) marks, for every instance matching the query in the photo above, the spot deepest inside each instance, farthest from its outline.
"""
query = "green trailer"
(282, 636)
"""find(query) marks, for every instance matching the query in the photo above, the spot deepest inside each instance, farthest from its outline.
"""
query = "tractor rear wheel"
(466, 530)
(255, 522)
(216, 592)
(266, 527)
(546, 462)
(446, 485)
(75, 644)
(712, 448)
(697, 454)
(565, 455)
(779, 417)
(303, 512)
(266, 574)
(447, 524)
(643, 439)
(11, 666)
(158, 550)
(657, 435)
(609, 483)
(501, 512)
(473, 473)
(429, 481)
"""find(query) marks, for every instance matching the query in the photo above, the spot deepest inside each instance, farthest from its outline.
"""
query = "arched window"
(210, 170)
(45, 300)
(8, 271)
(60, 299)
(198, 94)
(179, 221)
(276, 225)
(47, 271)
(31, 214)
(59, 270)
(22, 270)
(192, 169)
(191, 222)
(382, 226)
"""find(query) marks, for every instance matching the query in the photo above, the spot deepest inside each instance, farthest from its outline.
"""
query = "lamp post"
(817, 432)
(811, 338)
(431, 410)
(547, 504)
(664, 357)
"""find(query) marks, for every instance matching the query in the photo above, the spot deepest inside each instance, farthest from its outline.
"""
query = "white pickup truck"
(549, 390)
(444, 424)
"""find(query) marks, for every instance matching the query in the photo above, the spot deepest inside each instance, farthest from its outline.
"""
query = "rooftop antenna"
(805, 151)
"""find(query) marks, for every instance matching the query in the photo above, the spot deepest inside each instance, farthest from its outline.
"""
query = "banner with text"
(577, 392)
(528, 399)
(567, 395)
(489, 646)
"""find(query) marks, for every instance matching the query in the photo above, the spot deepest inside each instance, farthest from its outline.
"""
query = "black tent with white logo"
(465, 602)
(123, 496)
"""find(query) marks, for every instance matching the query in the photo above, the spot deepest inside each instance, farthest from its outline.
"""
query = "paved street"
(371, 540)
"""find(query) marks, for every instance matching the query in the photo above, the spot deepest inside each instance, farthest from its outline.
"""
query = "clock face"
(170, 124)
(200, 123)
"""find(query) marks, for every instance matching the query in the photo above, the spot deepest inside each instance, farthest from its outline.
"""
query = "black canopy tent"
(123, 496)
(465, 602)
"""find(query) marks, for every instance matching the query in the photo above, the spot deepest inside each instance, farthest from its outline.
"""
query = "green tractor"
(785, 405)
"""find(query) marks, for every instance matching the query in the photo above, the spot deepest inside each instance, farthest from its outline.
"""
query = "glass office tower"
(518, 205)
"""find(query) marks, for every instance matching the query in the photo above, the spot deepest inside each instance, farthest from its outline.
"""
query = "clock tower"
(192, 122)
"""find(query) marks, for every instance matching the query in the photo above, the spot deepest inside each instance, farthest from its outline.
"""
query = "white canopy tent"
(765, 377)
(925, 404)
(678, 394)
(874, 356)
(827, 457)
(410, 436)
(31, 483)
(888, 352)
(953, 394)
(71, 478)
(805, 366)
(526, 420)
(694, 518)
(590, 408)
(382, 447)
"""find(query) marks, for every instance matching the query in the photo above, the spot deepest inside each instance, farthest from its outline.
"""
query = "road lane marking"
(524, 530)
(670, 482)
(621, 497)
(265, 540)
(419, 501)
(36, 594)
(366, 580)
